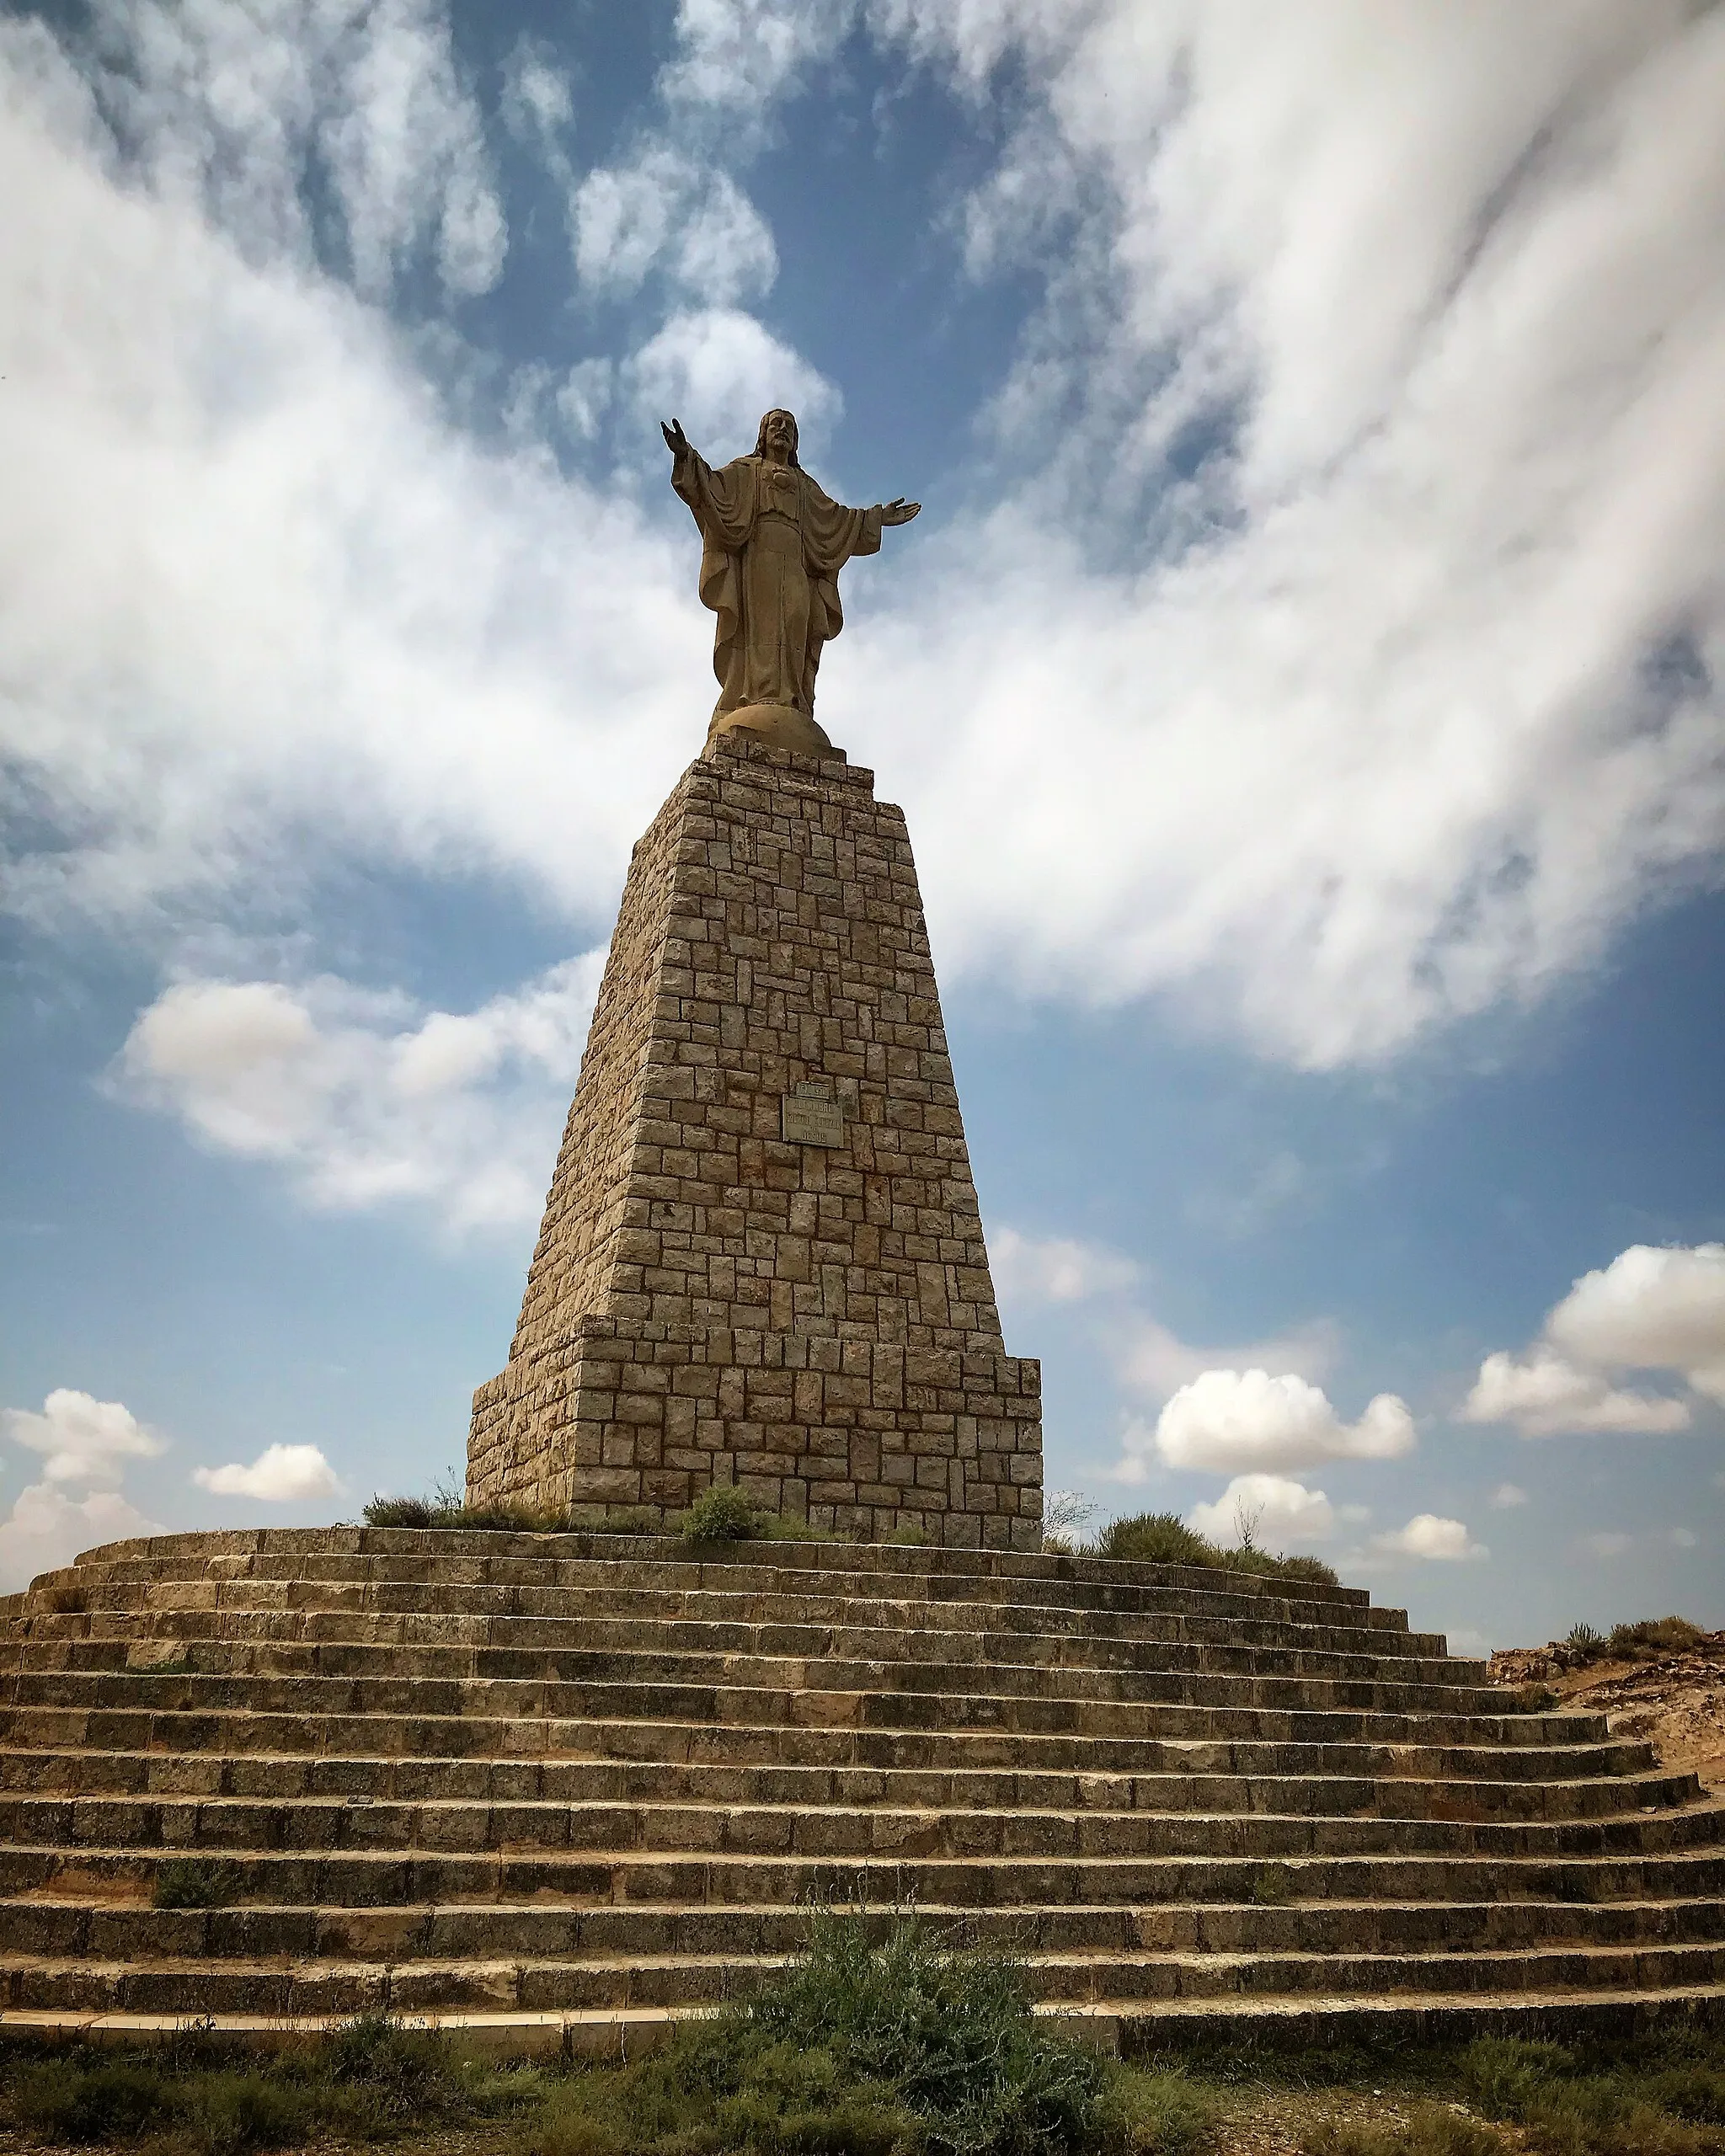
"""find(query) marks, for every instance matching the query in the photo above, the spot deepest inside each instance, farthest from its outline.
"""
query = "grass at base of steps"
(889, 2047)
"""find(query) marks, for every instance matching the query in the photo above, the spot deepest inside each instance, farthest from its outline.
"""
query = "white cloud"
(1683, 1538)
(1279, 1514)
(1388, 709)
(1056, 1268)
(1421, 703)
(718, 371)
(1649, 1308)
(537, 104)
(666, 210)
(1507, 1496)
(1545, 1396)
(1652, 1309)
(247, 632)
(741, 54)
(586, 396)
(46, 1529)
(1238, 1419)
(1609, 1544)
(281, 1475)
(363, 1100)
(1443, 1541)
(85, 1440)
(236, 106)
(1157, 1362)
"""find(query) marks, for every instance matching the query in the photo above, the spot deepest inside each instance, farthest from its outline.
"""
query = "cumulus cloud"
(281, 1475)
(84, 1439)
(364, 1101)
(1056, 1268)
(1609, 1543)
(1278, 1513)
(1442, 1541)
(668, 211)
(1649, 1308)
(1652, 1309)
(46, 1529)
(1155, 1361)
(1507, 1496)
(1242, 1419)
(1544, 1395)
(718, 370)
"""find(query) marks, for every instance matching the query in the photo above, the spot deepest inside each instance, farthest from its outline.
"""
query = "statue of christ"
(772, 546)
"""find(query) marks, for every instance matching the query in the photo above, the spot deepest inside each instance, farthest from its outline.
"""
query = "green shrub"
(196, 1882)
(1652, 1637)
(1160, 2113)
(1531, 1698)
(69, 2100)
(1608, 2106)
(1165, 1539)
(632, 1520)
(224, 2113)
(723, 1514)
(1427, 2130)
(1586, 1641)
(1272, 1886)
(1153, 1538)
(949, 2036)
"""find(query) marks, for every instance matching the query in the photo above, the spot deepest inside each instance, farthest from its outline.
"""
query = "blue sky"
(1302, 685)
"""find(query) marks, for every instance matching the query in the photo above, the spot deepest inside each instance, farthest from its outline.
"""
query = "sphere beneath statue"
(782, 724)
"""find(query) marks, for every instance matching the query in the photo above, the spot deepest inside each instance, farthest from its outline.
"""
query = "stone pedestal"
(761, 1261)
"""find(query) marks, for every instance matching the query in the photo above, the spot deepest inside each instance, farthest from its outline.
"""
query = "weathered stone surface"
(710, 1302)
(588, 1783)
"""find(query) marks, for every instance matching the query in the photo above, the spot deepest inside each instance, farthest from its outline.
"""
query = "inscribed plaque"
(808, 1121)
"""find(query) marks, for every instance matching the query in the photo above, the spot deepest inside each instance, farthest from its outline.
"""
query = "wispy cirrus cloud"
(1387, 663)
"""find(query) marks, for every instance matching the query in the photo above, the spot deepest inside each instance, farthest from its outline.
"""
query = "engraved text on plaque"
(808, 1122)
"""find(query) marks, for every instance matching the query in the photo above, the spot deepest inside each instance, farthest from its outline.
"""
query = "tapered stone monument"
(761, 1261)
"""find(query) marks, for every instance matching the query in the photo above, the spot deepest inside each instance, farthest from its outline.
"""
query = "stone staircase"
(551, 1791)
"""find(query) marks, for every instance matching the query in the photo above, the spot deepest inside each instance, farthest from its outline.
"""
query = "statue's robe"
(772, 546)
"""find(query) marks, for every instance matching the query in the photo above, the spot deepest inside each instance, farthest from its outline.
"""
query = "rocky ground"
(1676, 1700)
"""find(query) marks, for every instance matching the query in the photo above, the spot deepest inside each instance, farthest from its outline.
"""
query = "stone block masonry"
(761, 1259)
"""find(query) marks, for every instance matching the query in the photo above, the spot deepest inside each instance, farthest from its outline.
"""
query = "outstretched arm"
(677, 442)
(896, 512)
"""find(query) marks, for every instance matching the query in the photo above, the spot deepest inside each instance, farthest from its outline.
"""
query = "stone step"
(289, 1779)
(571, 1680)
(1407, 2020)
(452, 1825)
(453, 1551)
(332, 1987)
(105, 1931)
(523, 1585)
(679, 1652)
(551, 1788)
(419, 1615)
(1482, 1866)
(518, 1747)
(186, 1712)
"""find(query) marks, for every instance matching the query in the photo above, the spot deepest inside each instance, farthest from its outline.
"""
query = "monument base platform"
(862, 1437)
(553, 1791)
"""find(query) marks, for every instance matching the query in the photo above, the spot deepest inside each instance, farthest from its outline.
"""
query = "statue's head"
(780, 429)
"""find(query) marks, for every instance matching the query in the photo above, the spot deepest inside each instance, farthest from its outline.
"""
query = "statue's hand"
(676, 441)
(899, 511)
